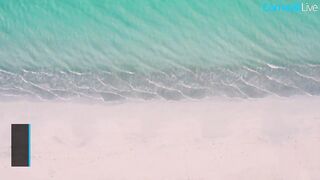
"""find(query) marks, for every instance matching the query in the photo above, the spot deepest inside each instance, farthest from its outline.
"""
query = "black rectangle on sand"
(20, 145)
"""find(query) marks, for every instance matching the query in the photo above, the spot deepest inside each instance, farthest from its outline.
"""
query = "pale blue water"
(120, 49)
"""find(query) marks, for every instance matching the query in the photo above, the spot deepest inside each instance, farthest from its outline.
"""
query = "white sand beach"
(222, 139)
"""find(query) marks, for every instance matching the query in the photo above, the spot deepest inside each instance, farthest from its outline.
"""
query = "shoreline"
(219, 99)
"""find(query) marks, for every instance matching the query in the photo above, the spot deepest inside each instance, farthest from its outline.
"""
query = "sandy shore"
(265, 139)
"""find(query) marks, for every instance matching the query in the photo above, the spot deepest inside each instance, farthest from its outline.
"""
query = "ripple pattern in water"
(244, 82)
(109, 50)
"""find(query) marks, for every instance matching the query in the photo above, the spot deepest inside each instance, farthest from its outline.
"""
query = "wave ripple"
(173, 84)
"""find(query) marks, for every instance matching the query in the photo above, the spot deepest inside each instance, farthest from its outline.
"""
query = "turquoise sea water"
(120, 49)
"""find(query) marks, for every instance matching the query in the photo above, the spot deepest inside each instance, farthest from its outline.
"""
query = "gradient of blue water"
(118, 50)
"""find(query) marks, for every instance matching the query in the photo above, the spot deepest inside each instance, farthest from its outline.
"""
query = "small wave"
(242, 82)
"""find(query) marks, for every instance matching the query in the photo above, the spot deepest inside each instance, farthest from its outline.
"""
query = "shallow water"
(118, 50)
